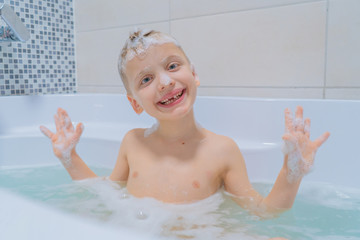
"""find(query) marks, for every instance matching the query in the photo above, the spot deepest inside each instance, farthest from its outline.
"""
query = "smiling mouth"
(172, 99)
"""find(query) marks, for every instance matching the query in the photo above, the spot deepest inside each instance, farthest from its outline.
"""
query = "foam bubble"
(151, 130)
(165, 79)
(198, 125)
(140, 43)
(298, 122)
(197, 220)
(296, 164)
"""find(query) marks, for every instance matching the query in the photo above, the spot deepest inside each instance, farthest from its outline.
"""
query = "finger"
(289, 137)
(320, 140)
(299, 123)
(57, 122)
(46, 131)
(61, 117)
(79, 130)
(299, 112)
(288, 121)
(67, 121)
(307, 124)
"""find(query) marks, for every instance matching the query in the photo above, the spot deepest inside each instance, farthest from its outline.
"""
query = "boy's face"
(162, 82)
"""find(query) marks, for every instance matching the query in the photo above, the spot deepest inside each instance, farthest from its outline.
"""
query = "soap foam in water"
(109, 202)
(318, 208)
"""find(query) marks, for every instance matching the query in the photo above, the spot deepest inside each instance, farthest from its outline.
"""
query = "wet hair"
(137, 44)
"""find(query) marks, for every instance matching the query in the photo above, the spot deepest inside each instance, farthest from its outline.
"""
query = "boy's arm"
(299, 153)
(64, 142)
(121, 169)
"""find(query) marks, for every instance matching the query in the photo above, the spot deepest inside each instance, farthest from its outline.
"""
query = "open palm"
(299, 150)
(66, 137)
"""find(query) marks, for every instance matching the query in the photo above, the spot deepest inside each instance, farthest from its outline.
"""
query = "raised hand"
(65, 138)
(299, 150)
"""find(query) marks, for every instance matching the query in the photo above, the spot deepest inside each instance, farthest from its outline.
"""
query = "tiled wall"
(253, 48)
(45, 64)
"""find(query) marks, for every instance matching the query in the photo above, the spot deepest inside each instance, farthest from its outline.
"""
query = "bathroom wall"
(45, 64)
(249, 48)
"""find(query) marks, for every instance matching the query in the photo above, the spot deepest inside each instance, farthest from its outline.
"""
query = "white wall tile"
(97, 54)
(281, 46)
(343, 54)
(343, 93)
(274, 48)
(193, 8)
(95, 14)
(313, 93)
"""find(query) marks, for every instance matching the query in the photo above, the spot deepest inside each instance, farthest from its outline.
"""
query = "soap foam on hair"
(140, 41)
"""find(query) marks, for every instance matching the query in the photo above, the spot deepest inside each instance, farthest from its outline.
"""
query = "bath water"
(321, 211)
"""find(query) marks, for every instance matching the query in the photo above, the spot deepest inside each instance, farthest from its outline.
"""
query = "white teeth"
(174, 98)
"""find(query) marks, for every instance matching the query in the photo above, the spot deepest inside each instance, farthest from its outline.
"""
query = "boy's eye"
(173, 66)
(145, 80)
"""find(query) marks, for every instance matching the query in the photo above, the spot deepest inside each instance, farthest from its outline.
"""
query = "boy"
(177, 161)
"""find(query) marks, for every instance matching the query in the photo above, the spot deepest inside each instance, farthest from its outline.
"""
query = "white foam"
(151, 130)
(297, 165)
(148, 215)
(66, 149)
(332, 196)
(139, 44)
(165, 79)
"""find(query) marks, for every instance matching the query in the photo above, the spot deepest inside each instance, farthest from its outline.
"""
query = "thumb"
(320, 140)
(46, 131)
(79, 130)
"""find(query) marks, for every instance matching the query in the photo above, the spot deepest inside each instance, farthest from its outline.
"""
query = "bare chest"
(177, 174)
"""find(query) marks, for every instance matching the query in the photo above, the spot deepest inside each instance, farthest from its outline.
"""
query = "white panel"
(283, 46)
(95, 14)
(193, 8)
(343, 55)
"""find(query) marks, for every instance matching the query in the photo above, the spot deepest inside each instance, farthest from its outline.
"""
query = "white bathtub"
(256, 125)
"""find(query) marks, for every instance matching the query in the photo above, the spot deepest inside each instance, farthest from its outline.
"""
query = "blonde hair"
(137, 44)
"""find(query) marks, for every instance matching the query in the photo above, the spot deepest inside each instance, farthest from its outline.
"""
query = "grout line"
(267, 87)
(121, 26)
(326, 47)
(169, 20)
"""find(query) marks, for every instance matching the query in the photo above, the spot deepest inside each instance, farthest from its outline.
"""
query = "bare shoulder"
(224, 144)
(135, 134)
(221, 140)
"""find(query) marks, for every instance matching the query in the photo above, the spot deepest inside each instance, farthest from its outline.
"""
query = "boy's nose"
(165, 81)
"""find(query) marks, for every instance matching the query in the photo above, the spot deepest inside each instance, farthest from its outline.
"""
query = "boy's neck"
(179, 129)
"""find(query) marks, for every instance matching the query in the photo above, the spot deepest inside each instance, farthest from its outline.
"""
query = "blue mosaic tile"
(45, 64)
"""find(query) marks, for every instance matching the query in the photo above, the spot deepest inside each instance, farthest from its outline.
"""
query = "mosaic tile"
(45, 64)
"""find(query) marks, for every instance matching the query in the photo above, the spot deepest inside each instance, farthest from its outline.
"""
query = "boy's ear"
(137, 108)
(197, 81)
